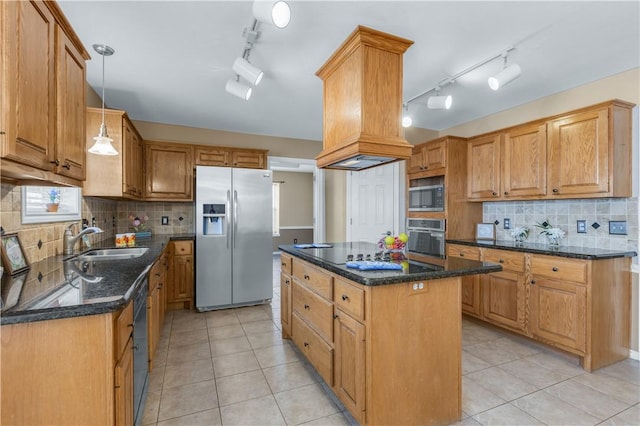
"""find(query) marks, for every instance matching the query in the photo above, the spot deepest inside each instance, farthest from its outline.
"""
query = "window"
(275, 188)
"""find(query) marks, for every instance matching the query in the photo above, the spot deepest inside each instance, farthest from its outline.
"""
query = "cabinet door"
(483, 167)
(504, 299)
(248, 160)
(470, 284)
(153, 326)
(70, 136)
(28, 83)
(579, 153)
(349, 364)
(182, 277)
(416, 162)
(169, 172)
(285, 305)
(212, 157)
(428, 156)
(132, 144)
(558, 312)
(124, 387)
(524, 161)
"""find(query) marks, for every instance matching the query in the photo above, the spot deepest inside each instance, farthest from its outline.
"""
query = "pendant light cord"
(102, 91)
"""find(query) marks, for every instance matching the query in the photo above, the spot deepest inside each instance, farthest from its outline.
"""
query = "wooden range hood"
(362, 102)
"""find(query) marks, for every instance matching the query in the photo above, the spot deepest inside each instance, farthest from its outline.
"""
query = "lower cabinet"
(504, 299)
(181, 285)
(471, 301)
(124, 387)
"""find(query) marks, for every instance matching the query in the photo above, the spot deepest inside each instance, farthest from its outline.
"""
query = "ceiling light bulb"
(440, 102)
(407, 121)
(505, 76)
(103, 146)
(277, 13)
(238, 89)
(247, 71)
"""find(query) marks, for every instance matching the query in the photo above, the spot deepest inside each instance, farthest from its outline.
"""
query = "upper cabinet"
(230, 157)
(117, 176)
(43, 94)
(567, 156)
(169, 171)
(428, 156)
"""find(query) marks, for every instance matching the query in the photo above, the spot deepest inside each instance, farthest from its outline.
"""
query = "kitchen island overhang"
(387, 343)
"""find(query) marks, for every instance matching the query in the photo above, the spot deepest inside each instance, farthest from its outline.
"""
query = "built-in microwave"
(426, 195)
(426, 237)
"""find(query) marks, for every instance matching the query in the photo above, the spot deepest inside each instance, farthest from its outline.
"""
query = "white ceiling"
(173, 57)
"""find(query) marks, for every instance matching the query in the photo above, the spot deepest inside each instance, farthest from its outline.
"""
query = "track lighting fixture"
(238, 89)
(103, 146)
(439, 102)
(277, 13)
(407, 121)
(506, 76)
(244, 69)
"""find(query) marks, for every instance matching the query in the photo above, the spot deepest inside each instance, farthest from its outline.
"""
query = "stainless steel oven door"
(426, 242)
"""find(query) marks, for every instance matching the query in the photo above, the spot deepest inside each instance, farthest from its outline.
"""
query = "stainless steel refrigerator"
(234, 234)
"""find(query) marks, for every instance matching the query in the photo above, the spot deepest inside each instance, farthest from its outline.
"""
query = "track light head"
(238, 89)
(507, 75)
(273, 12)
(246, 70)
(440, 102)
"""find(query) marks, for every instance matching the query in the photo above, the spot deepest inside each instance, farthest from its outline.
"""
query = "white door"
(374, 199)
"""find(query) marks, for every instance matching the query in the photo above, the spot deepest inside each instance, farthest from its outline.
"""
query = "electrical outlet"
(618, 227)
(165, 220)
(506, 223)
(581, 226)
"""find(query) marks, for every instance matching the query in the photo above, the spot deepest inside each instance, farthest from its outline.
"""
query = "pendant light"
(103, 141)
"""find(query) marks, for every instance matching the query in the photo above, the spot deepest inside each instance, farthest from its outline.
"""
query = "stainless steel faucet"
(69, 239)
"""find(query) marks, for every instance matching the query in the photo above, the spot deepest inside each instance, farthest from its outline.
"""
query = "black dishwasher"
(140, 350)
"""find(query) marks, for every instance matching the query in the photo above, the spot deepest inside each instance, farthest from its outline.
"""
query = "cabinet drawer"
(559, 268)
(124, 328)
(314, 309)
(313, 278)
(468, 252)
(349, 298)
(509, 260)
(317, 351)
(182, 248)
(285, 264)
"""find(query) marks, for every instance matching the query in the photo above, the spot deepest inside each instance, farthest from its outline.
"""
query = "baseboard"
(634, 355)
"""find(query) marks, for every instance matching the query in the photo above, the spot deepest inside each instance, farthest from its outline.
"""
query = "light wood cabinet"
(483, 172)
(372, 331)
(180, 291)
(504, 299)
(428, 156)
(470, 284)
(248, 159)
(212, 156)
(230, 157)
(43, 100)
(156, 303)
(524, 161)
(169, 172)
(117, 176)
(285, 294)
(94, 349)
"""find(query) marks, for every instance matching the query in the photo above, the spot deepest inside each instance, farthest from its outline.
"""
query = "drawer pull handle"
(284, 264)
(56, 162)
(554, 269)
(533, 282)
(555, 190)
(501, 261)
(306, 277)
(66, 166)
(286, 281)
(506, 193)
(306, 345)
(345, 297)
(461, 254)
(306, 307)
(494, 194)
(335, 316)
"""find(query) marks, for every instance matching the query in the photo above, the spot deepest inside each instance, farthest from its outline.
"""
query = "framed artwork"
(13, 255)
(485, 231)
(42, 204)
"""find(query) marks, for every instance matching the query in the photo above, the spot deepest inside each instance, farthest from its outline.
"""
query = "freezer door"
(252, 236)
(213, 249)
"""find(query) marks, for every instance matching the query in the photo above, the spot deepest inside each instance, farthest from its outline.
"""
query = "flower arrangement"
(520, 233)
(54, 196)
(555, 235)
(138, 223)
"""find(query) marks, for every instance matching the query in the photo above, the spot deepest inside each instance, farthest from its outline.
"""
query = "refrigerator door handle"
(235, 217)
(226, 216)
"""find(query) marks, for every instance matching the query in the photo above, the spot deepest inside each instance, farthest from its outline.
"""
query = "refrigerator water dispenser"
(213, 219)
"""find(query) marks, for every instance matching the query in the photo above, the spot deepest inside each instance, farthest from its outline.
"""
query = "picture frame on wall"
(13, 256)
(485, 231)
(42, 204)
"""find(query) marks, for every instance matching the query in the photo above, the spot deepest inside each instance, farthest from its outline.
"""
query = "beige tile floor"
(231, 367)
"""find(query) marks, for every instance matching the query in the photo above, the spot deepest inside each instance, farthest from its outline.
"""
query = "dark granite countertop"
(561, 251)
(333, 259)
(64, 286)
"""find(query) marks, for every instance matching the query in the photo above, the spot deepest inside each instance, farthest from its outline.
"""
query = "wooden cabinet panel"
(470, 284)
(315, 310)
(467, 252)
(558, 268)
(28, 82)
(483, 167)
(248, 159)
(349, 298)
(285, 305)
(183, 278)
(124, 328)
(558, 312)
(285, 264)
(313, 278)
(524, 161)
(124, 387)
(132, 160)
(509, 260)
(182, 248)
(313, 347)
(349, 365)
(180, 279)
(169, 171)
(70, 144)
(211, 156)
(428, 157)
(504, 299)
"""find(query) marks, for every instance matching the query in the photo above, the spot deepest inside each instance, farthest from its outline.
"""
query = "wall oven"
(426, 237)
(426, 194)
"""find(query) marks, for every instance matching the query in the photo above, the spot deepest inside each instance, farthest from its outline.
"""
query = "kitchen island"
(387, 342)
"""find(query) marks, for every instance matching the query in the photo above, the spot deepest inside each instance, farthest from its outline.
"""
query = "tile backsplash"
(179, 215)
(563, 214)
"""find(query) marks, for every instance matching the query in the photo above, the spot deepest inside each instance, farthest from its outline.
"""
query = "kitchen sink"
(114, 254)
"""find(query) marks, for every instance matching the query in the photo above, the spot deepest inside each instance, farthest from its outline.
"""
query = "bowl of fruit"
(394, 245)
